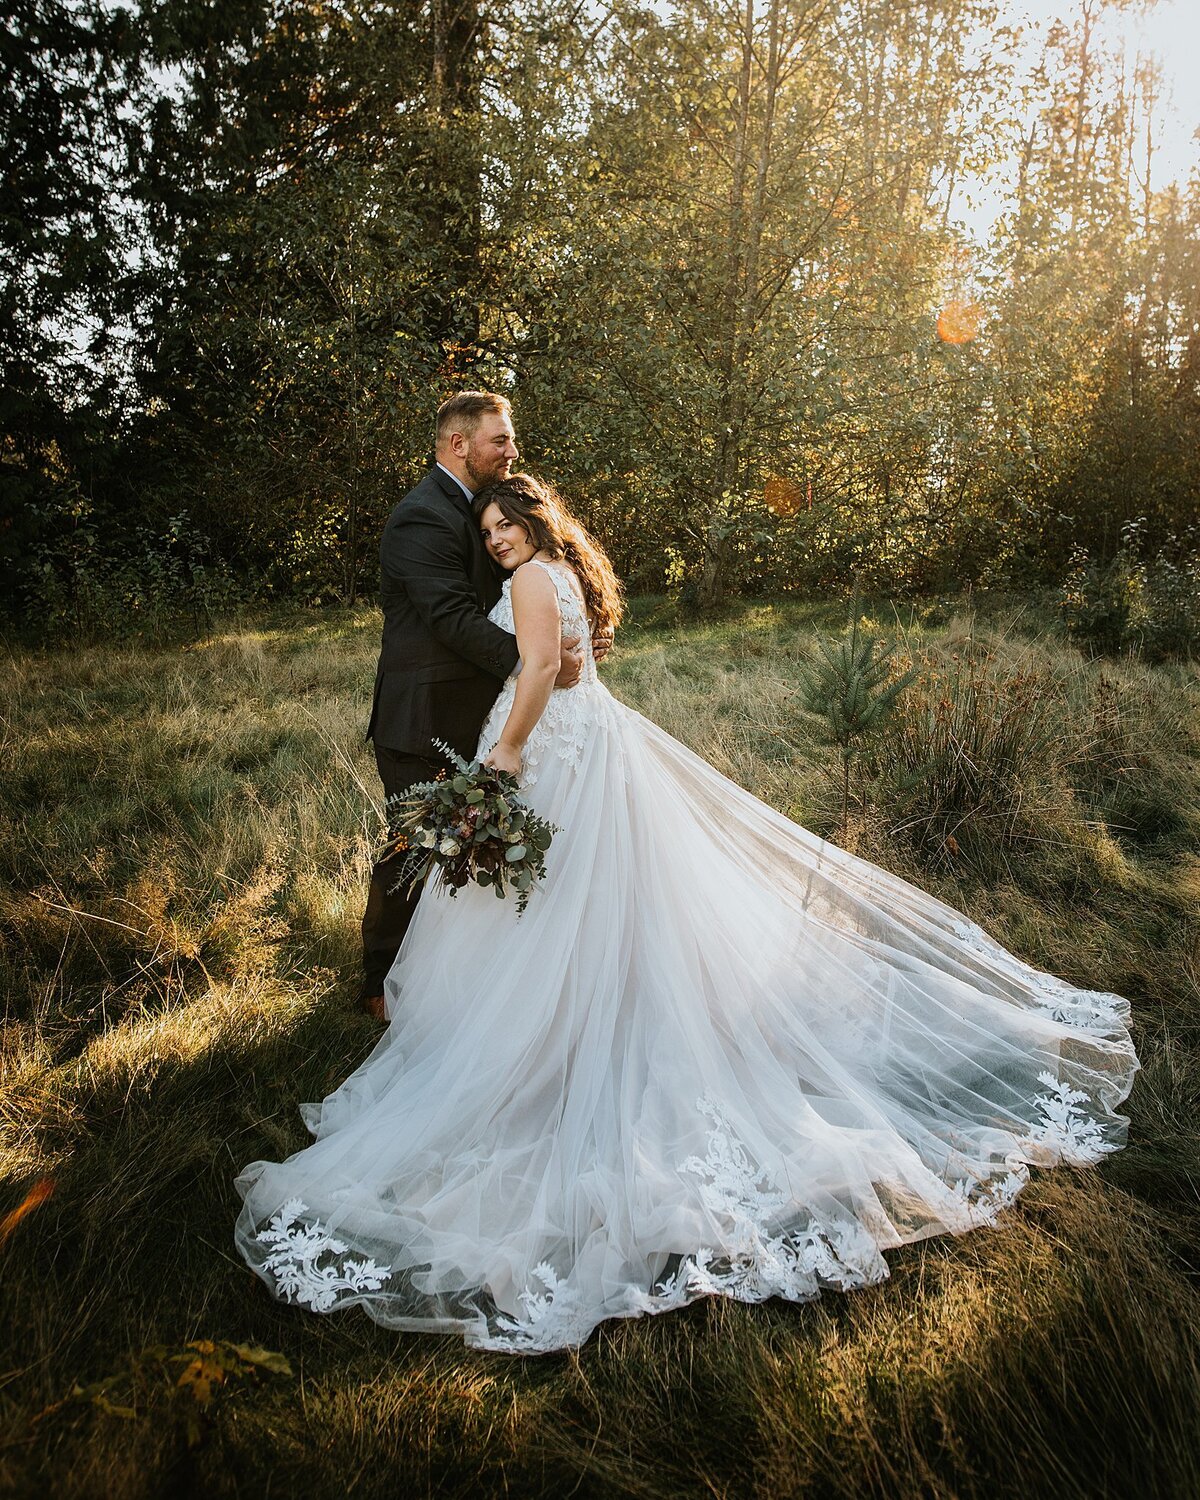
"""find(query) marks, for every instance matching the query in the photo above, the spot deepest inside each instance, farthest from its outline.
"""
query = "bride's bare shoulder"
(532, 585)
(563, 569)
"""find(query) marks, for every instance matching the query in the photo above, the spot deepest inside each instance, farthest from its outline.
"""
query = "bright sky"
(1170, 30)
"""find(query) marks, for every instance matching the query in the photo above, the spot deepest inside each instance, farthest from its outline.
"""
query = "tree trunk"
(455, 33)
(741, 293)
(1088, 19)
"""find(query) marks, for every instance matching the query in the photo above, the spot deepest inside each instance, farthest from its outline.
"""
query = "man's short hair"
(462, 412)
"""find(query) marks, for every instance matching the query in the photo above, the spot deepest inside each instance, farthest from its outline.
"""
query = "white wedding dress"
(716, 1055)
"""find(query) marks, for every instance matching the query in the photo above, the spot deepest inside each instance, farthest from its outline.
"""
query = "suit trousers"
(389, 912)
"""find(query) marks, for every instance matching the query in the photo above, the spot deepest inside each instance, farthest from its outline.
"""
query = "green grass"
(184, 837)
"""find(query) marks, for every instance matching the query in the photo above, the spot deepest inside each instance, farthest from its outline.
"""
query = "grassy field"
(184, 837)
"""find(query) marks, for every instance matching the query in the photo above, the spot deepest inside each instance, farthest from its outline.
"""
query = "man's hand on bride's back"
(570, 662)
(602, 643)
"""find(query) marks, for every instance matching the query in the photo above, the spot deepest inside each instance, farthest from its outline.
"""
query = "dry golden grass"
(184, 837)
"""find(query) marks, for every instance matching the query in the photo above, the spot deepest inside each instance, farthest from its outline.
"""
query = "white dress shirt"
(468, 493)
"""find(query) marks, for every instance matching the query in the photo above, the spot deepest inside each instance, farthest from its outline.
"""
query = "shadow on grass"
(1054, 1355)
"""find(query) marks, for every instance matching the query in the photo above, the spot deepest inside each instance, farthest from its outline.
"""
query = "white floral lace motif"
(1064, 1127)
(296, 1248)
(553, 1318)
(759, 1259)
(755, 1262)
(982, 1202)
(566, 723)
(1088, 1010)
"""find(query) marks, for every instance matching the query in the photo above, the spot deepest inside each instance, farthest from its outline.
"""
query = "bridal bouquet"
(471, 825)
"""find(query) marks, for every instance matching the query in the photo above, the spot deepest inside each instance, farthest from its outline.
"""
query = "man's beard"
(480, 476)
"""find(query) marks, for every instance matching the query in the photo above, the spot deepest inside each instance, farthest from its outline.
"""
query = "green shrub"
(1151, 607)
(89, 580)
(1170, 623)
(970, 760)
(1098, 601)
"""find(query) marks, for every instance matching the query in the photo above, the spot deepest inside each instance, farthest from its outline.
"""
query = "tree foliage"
(711, 250)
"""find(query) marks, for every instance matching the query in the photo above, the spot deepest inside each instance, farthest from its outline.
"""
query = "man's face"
(491, 450)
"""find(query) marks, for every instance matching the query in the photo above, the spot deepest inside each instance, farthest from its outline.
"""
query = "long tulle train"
(716, 1055)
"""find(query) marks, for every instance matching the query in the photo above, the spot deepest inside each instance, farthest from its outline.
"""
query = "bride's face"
(507, 541)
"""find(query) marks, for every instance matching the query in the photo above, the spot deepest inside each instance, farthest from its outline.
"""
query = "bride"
(716, 1055)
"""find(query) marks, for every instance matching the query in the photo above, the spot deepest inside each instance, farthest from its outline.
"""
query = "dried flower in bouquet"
(467, 825)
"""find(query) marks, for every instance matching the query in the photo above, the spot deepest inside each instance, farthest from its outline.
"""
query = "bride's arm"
(539, 639)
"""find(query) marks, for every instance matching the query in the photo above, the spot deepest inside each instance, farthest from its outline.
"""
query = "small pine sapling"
(850, 685)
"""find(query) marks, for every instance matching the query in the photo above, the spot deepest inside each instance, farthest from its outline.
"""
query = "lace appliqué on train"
(554, 1318)
(1065, 1127)
(757, 1259)
(1089, 1010)
(297, 1246)
(760, 1259)
(980, 1203)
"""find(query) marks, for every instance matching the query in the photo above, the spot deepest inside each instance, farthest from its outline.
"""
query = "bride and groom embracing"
(716, 1055)
(443, 659)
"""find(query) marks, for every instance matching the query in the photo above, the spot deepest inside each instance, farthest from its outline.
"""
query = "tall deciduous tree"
(69, 126)
(760, 188)
(318, 275)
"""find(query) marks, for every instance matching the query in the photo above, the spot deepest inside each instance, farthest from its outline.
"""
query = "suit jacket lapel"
(450, 487)
(486, 574)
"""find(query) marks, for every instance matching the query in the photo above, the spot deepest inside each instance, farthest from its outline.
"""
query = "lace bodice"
(570, 608)
(569, 716)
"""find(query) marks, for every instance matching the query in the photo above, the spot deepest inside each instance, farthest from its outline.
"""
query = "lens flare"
(783, 497)
(34, 1198)
(959, 322)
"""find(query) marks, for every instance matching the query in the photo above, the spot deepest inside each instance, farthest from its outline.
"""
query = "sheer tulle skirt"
(715, 1055)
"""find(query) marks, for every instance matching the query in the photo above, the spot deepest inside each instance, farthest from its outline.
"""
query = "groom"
(442, 661)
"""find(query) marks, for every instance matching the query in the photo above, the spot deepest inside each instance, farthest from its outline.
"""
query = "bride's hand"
(504, 758)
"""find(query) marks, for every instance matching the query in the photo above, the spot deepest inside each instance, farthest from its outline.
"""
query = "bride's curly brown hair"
(553, 530)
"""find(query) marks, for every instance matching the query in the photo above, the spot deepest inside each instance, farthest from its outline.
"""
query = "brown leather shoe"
(373, 1005)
